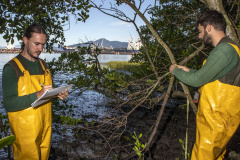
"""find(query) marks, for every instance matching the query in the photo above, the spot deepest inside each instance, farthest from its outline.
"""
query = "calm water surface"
(103, 58)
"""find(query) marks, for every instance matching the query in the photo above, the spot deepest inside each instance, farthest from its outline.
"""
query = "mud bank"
(166, 144)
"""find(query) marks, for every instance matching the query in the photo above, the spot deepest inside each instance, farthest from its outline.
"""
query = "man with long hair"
(21, 82)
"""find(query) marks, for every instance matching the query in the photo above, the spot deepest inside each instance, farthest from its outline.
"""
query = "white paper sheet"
(49, 94)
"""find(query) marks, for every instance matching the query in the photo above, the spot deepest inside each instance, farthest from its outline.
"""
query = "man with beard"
(21, 83)
(218, 114)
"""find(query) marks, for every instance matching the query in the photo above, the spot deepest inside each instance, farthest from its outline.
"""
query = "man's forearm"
(189, 78)
(17, 103)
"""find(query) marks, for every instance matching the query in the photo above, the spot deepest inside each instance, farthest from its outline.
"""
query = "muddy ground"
(166, 144)
(173, 127)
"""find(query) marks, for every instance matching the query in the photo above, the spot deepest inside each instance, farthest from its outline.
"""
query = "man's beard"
(207, 40)
(30, 53)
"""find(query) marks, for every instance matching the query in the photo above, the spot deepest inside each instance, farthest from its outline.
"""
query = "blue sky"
(97, 26)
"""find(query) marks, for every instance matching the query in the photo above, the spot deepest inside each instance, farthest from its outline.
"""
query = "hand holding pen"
(43, 90)
(63, 95)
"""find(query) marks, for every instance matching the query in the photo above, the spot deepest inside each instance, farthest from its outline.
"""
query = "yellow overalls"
(218, 118)
(32, 126)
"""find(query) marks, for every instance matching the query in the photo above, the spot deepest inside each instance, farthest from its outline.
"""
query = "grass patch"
(123, 65)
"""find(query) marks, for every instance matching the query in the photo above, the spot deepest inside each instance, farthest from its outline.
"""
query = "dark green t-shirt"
(11, 101)
(222, 59)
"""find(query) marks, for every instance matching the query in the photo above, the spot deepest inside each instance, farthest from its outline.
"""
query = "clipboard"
(49, 94)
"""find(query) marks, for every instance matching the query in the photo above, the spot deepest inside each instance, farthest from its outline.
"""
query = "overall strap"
(233, 77)
(18, 66)
(25, 66)
(43, 65)
(236, 48)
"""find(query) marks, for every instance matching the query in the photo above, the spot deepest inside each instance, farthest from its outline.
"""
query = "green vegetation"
(184, 147)
(7, 141)
(123, 65)
(170, 36)
(139, 147)
(52, 15)
(181, 37)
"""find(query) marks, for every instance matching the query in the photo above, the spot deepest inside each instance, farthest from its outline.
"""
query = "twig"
(160, 114)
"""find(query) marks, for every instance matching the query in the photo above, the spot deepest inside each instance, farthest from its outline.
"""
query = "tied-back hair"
(213, 18)
(34, 28)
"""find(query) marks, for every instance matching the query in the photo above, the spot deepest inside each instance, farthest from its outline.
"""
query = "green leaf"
(120, 84)
(181, 141)
(183, 147)
(5, 36)
(135, 147)
(12, 41)
(7, 141)
(139, 153)
(143, 146)
(140, 135)
(29, 12)
(112, 78)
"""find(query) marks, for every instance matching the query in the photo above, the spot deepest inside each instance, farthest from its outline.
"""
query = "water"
(103, 58)
(90, 103)
(88, 99)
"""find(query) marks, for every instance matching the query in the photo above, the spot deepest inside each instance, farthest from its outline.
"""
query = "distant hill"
(104, 42)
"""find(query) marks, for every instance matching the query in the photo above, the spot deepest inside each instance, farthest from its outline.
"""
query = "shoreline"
(68, 52)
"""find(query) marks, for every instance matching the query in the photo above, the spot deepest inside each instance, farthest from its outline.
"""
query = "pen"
(41, 85)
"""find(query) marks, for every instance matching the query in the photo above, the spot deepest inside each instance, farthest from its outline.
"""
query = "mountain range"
(100, 42)
(103, 43)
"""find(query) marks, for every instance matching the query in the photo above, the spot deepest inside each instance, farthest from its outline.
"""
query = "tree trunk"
(150, 27)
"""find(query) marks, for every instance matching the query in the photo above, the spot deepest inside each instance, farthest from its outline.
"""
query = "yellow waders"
(32, 126)
(217, 119)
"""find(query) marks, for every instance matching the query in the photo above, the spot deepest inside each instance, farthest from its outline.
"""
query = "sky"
(97, 26)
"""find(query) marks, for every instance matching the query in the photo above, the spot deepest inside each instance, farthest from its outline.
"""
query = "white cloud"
(121, 23)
